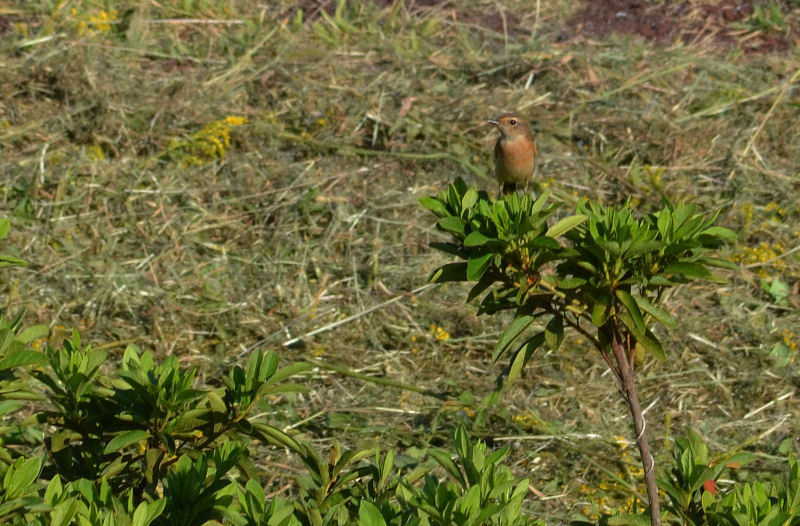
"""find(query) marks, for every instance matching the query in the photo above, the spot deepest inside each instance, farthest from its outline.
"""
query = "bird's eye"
(513, 122)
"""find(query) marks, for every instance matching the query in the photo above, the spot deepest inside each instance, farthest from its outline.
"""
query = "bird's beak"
(492, 121)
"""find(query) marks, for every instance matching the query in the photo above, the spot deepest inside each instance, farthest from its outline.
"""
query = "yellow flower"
(788, 338)
(95, 153)
(439, 333)
(103, 20)
(207, 144)
(232, 120)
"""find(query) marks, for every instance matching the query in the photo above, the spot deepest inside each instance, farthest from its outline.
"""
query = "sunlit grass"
(203, 177)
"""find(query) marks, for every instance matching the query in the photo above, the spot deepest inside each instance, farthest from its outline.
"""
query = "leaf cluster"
(601, 270)
(143, 444)
(694, 495)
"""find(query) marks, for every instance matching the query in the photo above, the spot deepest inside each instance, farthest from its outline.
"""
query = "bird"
(514, 153)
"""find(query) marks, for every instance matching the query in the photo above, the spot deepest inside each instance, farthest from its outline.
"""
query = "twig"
(375, 379)
(700, 339)
(769, 404)
(774, 428)
(639, 424)
(576, 324)
(760, 128)
(192, 21)
(581, 436)
(641, 80)
(358, 315)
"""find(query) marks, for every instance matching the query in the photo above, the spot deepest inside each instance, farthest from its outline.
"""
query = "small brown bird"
(514, 153)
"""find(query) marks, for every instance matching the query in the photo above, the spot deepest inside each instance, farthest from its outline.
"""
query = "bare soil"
(720, 24)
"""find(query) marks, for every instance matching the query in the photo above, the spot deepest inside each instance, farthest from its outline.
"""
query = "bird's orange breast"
(515, 159)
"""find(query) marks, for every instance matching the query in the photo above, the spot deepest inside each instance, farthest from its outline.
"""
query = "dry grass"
(143, 225)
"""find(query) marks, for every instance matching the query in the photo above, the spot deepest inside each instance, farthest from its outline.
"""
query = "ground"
(204, 180)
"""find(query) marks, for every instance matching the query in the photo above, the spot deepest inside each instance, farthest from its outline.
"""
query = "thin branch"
(358, 315)
(376, 379)
(577, 326)
(639, 425)
(754, 136)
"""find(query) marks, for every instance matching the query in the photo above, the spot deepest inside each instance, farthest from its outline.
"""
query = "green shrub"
(601, 272)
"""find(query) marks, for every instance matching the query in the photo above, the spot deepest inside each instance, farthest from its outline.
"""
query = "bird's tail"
(509, 187)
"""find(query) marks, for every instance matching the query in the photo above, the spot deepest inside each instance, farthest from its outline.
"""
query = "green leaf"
(442, 457)
(681, 214)
(659, 314)
(650, 344)
(782, 354)
(689, 228)
(125, 439)
(458, 185)
(477, 266)
(740, 459)
(571, 283)
(628, 519)
(719, 263)
(449, 272)
(544, 242)
(147, 512)
(707, 500)
(661, 281)
(664, 224)
(517, 326)
(369, 514)
(11, 261)
(63, 438)
(63, 512)
(477, 239)
(633, 308)
(454, 196)
(500, 217)
(643, 247)
(554, 332)
(434, 205)
(462, 444)
(540, 201)
(20, 358)
(601, 309)
(688, 269)
(565, 225)
(719, 231)
(33, 333)
(679, 248)
(484, 283)
(54, 490)
(453, 225)
(20, 476)
(586, 266)
(5, 226)
(471, 502)
(610, 247)
(469, 199)
(523, 355)
(447, 248)
(386, 467)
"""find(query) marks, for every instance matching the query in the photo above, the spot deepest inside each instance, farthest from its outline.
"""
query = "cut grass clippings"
(198, 178)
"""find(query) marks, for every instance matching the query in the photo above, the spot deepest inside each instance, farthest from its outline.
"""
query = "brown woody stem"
(625, 369)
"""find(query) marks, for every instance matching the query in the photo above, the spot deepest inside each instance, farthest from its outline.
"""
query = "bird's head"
(511, 125)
